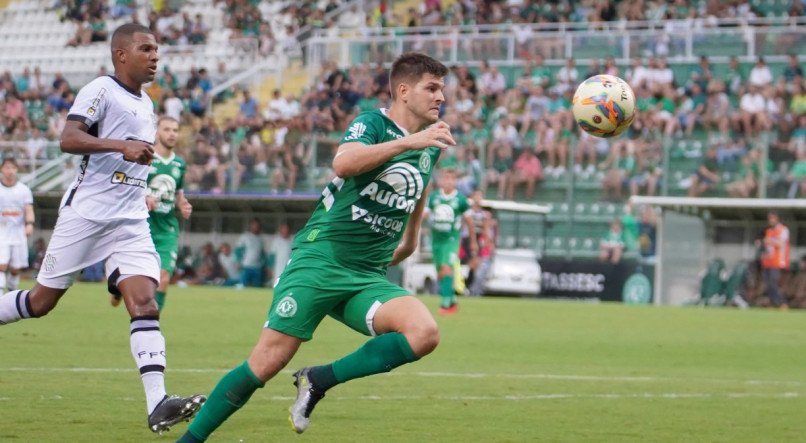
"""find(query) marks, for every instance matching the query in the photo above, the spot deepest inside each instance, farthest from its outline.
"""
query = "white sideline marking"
(532, 397)
(571, 377)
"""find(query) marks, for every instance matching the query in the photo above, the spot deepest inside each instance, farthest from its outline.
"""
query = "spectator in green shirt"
(706, 175)
(611, 247)
(797, 176)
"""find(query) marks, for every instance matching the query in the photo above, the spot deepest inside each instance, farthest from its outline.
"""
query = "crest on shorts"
(48, 263)
(287, 306)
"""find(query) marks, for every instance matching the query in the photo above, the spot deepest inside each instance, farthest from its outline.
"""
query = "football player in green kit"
(447, 208)
(367, 218)
(165, 196)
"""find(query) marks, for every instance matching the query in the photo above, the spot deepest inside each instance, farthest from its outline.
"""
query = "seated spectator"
(566, 78)
(208, 267)
(792, 70)
(611, 247)
(229, 265)
(122, 8)
(752, 117)
(198, 31)
(717, 109)
(747, 178)
(501, 171)
(556, 152)
(706, 175)
(647, 232)
(647, 170)
(691, 109)
(797, 176)
(760, 75)
(619, 167)
(526, 170)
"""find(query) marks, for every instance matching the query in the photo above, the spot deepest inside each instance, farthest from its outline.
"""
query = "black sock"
(322, 377)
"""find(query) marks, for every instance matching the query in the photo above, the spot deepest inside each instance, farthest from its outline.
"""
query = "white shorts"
(15, 256)
(76, 243)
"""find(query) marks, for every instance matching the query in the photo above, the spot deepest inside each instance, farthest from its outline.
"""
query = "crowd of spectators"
(513, 134)
(170, 25)
(592, 12)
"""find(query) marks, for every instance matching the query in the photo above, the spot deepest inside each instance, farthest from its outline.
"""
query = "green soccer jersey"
(165, 179)
(359, 220)
(446, 214)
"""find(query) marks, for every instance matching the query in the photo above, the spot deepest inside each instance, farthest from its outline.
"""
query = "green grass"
(507, 370)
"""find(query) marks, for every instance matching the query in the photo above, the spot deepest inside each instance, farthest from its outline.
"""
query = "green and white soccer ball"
(604, 106)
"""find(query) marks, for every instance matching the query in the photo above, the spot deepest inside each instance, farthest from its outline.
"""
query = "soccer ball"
(604, 106)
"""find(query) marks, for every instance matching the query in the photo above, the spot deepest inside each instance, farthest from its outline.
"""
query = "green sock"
(446, 291)
(380, 354)
(160, 297)
(229, 395)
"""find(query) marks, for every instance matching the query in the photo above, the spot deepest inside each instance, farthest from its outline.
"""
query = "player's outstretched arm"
(356, 158)
(411, 236)
(76, 140)
(182, 203)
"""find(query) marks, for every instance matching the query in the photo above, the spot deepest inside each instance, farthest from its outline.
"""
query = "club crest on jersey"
(163, 188)
(406, 185)
(425, 162)
(287, 307)
(120, 178)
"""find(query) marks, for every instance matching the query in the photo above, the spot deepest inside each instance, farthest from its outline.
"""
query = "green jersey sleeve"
(366, 129)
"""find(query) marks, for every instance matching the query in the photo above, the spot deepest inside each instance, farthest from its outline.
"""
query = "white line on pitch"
(527, 397)
(569, 377)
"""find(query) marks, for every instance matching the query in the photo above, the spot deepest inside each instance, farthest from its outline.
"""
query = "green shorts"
(313, 286)
(445, 252)
(167, 248)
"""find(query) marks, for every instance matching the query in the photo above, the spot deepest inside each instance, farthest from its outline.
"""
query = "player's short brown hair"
(410, 68)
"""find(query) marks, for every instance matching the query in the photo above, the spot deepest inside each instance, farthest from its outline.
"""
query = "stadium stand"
(719, 86)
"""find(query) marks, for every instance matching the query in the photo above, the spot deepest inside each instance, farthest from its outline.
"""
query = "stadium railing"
(682, 41)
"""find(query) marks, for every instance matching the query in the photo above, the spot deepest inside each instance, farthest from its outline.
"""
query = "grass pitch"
(507, 370)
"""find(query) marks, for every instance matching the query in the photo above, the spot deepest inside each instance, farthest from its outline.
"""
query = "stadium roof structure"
(727, 208)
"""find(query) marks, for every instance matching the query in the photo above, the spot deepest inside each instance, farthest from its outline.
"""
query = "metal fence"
(681, 41)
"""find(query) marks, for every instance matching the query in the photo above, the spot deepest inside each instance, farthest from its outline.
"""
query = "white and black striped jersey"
(107, 187)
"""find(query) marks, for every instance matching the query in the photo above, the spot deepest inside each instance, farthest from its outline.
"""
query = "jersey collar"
(384, 111)
(451, 195)
(128, 89)
(165, 160)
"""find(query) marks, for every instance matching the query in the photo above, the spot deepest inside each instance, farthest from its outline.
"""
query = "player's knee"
(423, 338)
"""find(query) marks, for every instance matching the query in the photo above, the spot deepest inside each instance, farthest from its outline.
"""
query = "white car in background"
(514, 271)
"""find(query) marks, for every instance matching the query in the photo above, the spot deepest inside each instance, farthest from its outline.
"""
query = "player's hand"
(437, 135)
(29, 230)
(137, 151)
(151, 202)
(185, 208)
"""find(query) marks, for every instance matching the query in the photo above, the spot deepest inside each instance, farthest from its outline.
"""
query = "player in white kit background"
(103, 214)
(16, 225)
